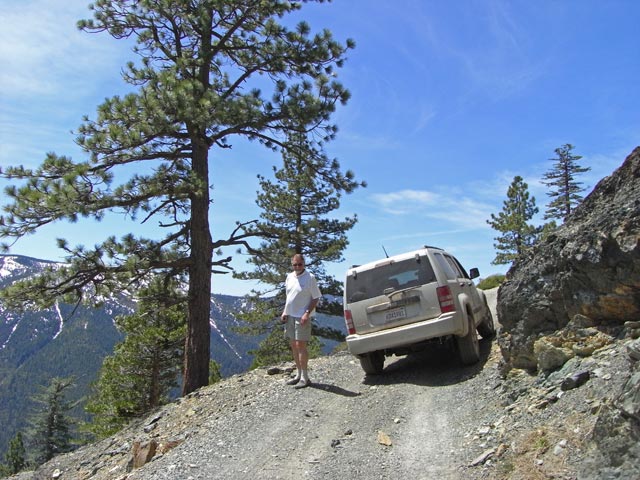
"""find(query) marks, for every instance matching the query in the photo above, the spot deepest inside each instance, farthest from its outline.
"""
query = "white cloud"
(52, 75)
(404, 201)
(447, 207)
(42, 51)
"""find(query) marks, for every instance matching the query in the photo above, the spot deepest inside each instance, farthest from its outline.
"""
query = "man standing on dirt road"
(303, 295)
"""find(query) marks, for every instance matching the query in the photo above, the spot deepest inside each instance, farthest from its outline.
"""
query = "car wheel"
(372, 363)
(469, 346)
(487, 328)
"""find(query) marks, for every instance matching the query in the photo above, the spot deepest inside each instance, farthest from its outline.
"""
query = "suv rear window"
(396, 275)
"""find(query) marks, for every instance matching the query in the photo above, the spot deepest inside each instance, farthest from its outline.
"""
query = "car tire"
(469, 345)
(372, 363)
(487, 328)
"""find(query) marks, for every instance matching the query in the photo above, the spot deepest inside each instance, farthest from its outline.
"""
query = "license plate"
(395, 314)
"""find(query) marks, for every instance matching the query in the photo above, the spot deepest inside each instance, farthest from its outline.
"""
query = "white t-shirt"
(300, 290)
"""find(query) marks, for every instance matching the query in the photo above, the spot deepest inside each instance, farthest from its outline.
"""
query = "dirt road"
(417, 420)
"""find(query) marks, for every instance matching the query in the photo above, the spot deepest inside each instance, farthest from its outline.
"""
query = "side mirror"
(474, 273)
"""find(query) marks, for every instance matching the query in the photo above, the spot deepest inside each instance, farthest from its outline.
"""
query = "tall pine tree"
(564, 189)
(512, 222)
(209, 71)
(49, 432)
(145, 367)
(296, 217)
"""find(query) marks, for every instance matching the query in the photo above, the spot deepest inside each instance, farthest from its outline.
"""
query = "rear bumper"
(447, 324)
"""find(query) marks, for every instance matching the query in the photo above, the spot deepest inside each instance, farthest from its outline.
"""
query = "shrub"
(491, 281)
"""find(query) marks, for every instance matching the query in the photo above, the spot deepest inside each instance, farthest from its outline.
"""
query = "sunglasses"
(297, 264)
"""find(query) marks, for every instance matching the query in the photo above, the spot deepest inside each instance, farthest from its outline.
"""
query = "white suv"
(399, 304)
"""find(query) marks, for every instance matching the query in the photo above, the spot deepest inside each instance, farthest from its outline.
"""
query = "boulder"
(590, 266)
(549, 356)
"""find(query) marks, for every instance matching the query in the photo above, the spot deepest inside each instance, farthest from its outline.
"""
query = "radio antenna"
(385, 251)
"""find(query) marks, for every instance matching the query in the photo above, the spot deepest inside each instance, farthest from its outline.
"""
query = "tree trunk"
(197, 354)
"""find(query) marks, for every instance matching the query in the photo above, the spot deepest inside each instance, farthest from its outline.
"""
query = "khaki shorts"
(293, 330)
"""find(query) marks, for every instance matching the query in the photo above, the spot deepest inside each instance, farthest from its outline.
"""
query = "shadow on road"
(334, 389)
(436, 366)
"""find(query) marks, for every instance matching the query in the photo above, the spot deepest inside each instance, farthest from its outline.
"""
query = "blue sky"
(450, 100)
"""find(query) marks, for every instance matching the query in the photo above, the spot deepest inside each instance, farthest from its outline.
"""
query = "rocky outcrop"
(589, 267)
(614, 447)
(574, 295)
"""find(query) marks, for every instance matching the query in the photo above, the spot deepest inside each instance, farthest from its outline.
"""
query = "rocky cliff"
(589, 266)
(577, 292)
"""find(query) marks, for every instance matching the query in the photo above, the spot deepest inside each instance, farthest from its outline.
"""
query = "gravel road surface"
(416, 420)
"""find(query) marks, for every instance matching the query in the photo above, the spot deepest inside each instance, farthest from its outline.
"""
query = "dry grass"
(536, 455)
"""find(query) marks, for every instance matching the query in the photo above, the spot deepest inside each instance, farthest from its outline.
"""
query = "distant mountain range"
(63, 342)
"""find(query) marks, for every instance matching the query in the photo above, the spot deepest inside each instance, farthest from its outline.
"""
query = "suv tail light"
(445, 299)
(348, 320)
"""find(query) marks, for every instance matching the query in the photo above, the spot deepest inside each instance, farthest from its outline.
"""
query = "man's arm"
(307, 312)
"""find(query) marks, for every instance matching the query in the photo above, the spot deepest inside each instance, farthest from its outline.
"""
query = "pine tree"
(49, 433)
(215, 375)
(275, 349)
(295, 218)
(145, 367)
(15, 459)
(209, 71)
(565, 190)
(517, 235)
(547, 229)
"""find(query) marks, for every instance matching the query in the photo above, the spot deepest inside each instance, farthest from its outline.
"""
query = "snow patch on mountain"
(6, 342)
(9, 266)
(214, 326)
(61, 318)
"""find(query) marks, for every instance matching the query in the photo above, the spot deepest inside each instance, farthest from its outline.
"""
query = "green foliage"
(340, 347)
(548, 229)
(492, 281)
(215, 375)
(15, 459)
(209, 71)
(295, 218)
(144, 367)
(49, 431)
(275, 349)
(564, 189)
(517, 235)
